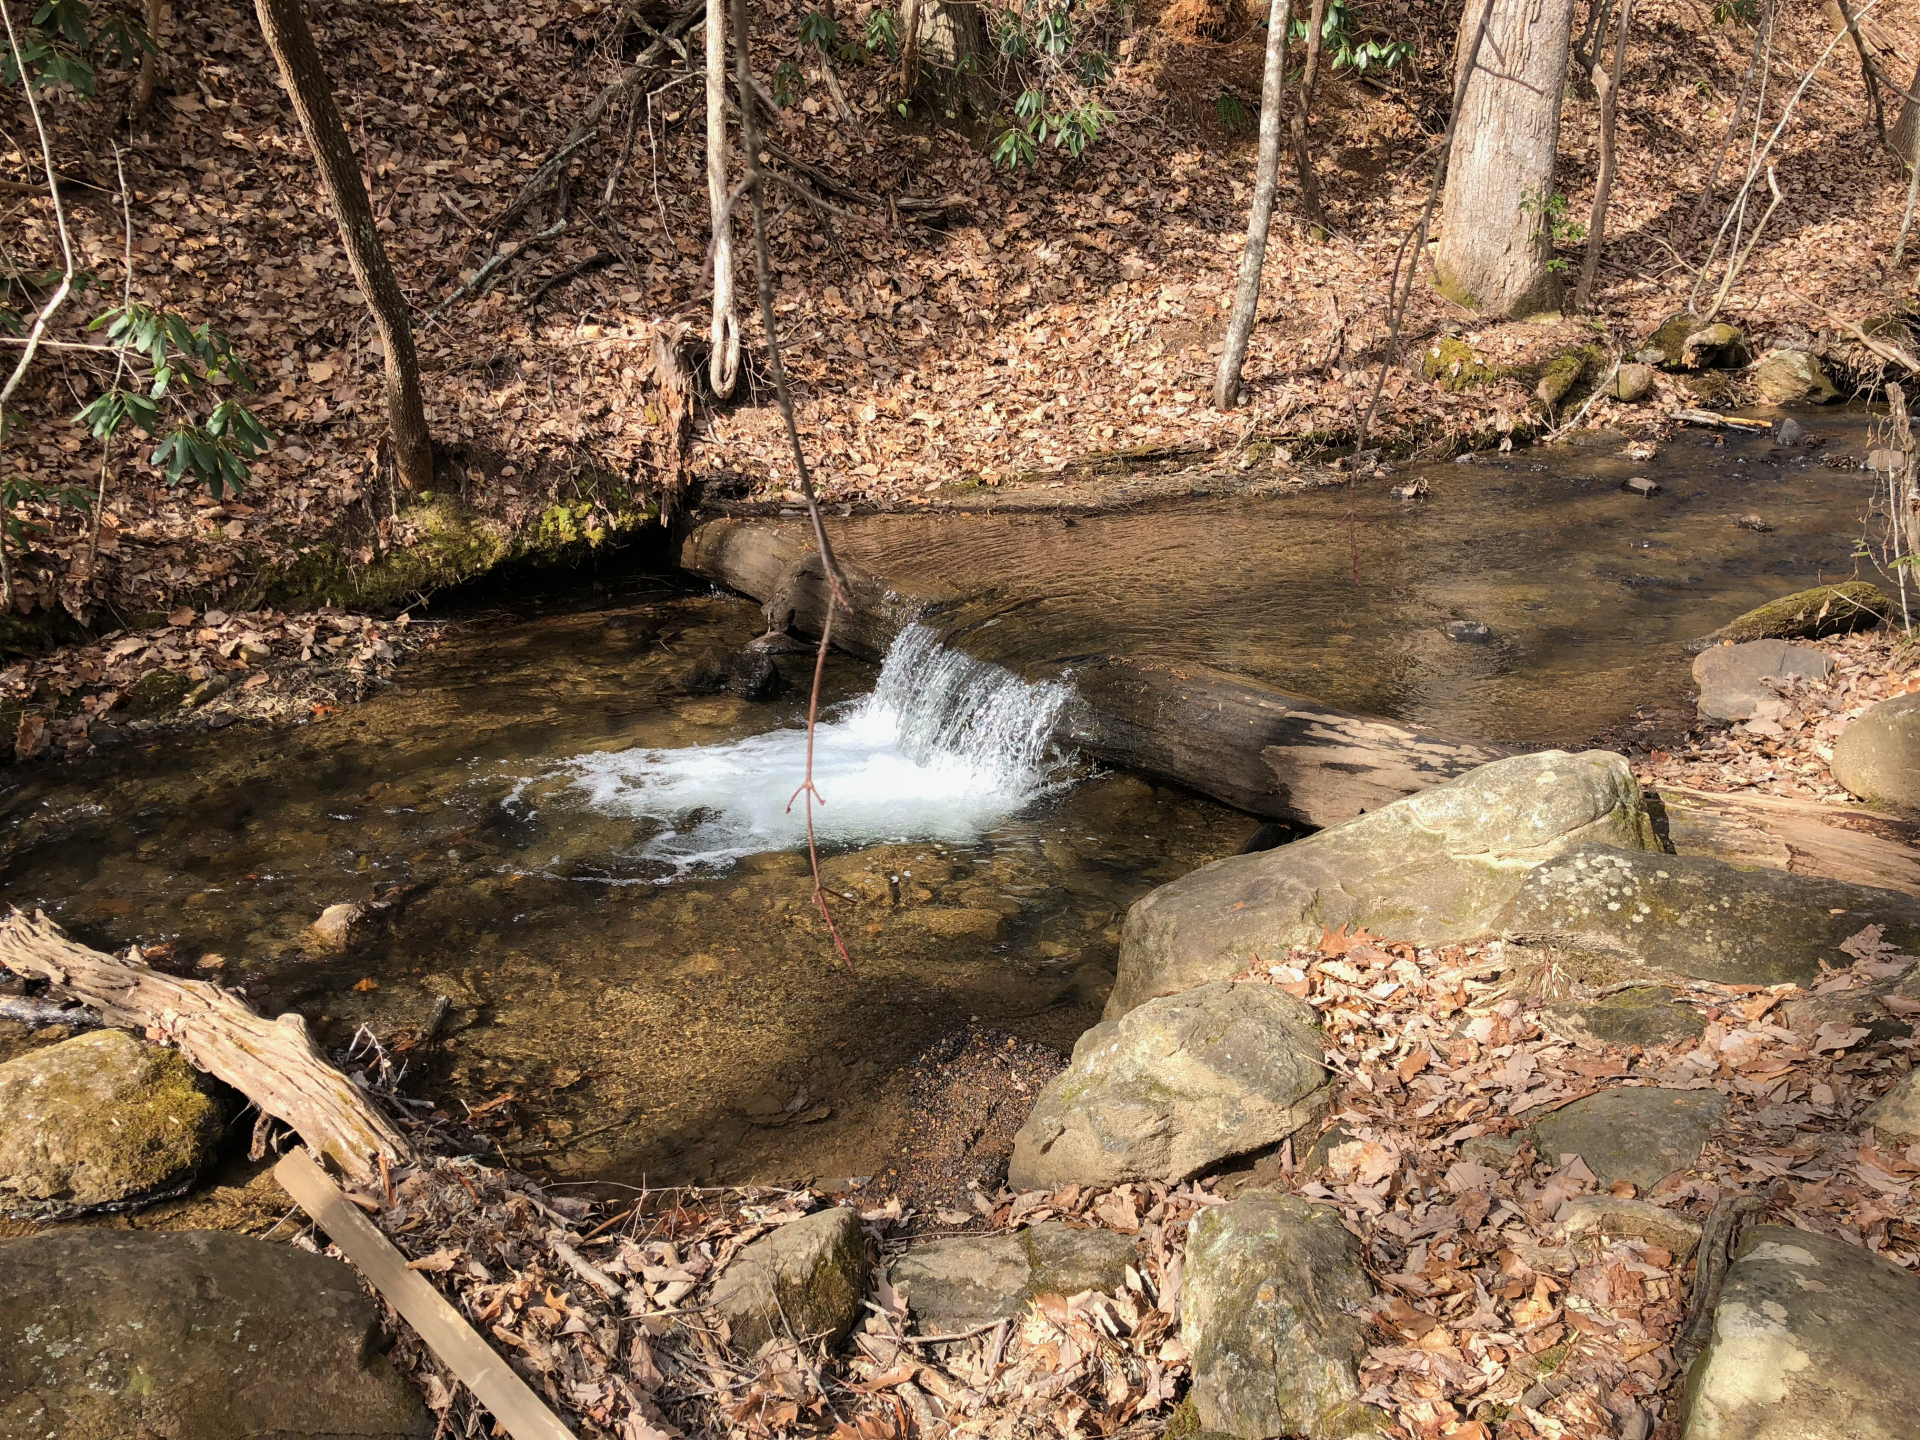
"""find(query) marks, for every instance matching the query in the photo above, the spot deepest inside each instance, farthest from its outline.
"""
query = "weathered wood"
(273, 1063)
(1254, 747)
(1807, 837)
(518, 1411)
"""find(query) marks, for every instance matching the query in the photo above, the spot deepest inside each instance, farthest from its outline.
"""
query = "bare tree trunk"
(1905, 135)
(1266, 185)
(1608, 88)
(1869, 70)
(150, 62)
(1495, 242)
(1302, 159)
(284, 23)
(723, 364)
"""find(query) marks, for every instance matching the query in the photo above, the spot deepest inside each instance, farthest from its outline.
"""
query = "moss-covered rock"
(99, 1120)
(1451, 363)
(155, 691)
(1663, 346)
(807, 1278)
(1562, 375)
(1685, 342)
(1807, 615)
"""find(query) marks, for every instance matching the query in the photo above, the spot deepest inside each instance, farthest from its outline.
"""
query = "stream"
(598, 867)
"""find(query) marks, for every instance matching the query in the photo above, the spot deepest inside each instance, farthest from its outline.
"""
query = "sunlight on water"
(943, 748)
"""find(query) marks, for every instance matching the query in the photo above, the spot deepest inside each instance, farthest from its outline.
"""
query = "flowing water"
(600, 869)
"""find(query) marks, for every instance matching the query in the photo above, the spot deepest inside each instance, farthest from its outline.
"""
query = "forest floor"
(1040, 320)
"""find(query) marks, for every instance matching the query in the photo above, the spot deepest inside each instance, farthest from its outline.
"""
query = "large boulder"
(1733, 678)
(101, 1119)
(807, 1278)
(193, 1335)
(1435, 868)
(972, 1280)
(1793, 377)
(1173, 1087)
(1877, 757)
(1806, 615)
(1639, 1134)
(1266, 1313)
(1691, 917)
(1813, 1339)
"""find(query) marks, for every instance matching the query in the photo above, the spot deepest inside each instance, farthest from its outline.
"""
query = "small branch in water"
(811, 793)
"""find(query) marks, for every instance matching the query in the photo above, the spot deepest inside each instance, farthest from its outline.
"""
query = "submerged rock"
(1266, 1315)
(1877, 757)
(101, 1119)
(808, 1276)
(1469, 632)
(750, 674)
(1638, 1134)
(1813, 1339)
(1702, 919)
(198, 1335)
(1807, 615)
(973, 1280)
(1174, 1087)
(1733, 678)
(1435, 868)
(337, 924)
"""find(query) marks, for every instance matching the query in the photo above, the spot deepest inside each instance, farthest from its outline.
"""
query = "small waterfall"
(945, 747)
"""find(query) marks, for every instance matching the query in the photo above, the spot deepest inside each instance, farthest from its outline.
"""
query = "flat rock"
(1733, 678)
(1608, 1217)
(1895, 1116)
(1174, 1087)
(1265, 1315)
(1793, 377)
(1813, 1339)
(1877, 757)
(101, 1119)
(1697, 918)
(194, 1335)
(1807, 615)
(953, 1285)
(810, 1275)
(1645, 1015)
(1435, 868)
(1634, 1133)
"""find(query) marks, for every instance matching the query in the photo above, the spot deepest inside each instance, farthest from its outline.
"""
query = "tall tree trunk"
(1302, 158)
(150, 61)
(723, 364)
(1607, 87)
(284, 23)
(1266, 184)
(1905, 135)
(1495, 242)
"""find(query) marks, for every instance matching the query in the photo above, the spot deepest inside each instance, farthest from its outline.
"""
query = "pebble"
(1469, 632)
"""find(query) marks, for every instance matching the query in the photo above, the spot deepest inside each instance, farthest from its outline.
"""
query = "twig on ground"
(493, 263)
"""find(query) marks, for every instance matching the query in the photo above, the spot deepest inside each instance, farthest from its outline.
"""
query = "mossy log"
(1806, 615)
(274, 1063)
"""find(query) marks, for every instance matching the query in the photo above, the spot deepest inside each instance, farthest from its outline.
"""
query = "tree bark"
(723, 364)
(1495, 243)
(1607, 87)
(1266, 185)
(1302, 158)
(149, 62)
(1905, 135)
(284, 24)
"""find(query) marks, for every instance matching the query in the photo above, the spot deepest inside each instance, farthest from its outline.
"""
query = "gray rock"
(1877, 757)
(1435, 868)
(1788, 433)
(1495, 1152)
(1608, 1216)
(1174, 1087)
(195, 1335)
(956, 1284)
(1718, 346)
(1638, 1134)
(101, 1119)
(1863, 1005)
(1469, 632)
(335, 927)
(1632, 382)
(808, 1276)
(1688, 916)
(1733, 678)
(1813, 1339)
(1640, 485)
(1266, 1315)
(1645, 1015)
(1793, 377)
(748, 673)
(1895, 1116)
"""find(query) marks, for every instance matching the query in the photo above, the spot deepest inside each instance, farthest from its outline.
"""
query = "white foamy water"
(943, 748)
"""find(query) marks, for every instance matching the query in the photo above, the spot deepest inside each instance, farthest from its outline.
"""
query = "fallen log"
(1805, 837)
(1254, 747)
(274, 1063)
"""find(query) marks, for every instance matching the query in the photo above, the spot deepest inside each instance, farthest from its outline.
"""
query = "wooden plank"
(274, 1063)
(447, 1333)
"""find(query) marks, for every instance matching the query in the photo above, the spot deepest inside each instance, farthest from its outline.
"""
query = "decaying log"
(1254, 747)
(519, 1412)
(1806, 837)
(272, 1062)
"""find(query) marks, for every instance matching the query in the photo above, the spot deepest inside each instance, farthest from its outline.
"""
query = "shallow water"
(597, 866)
